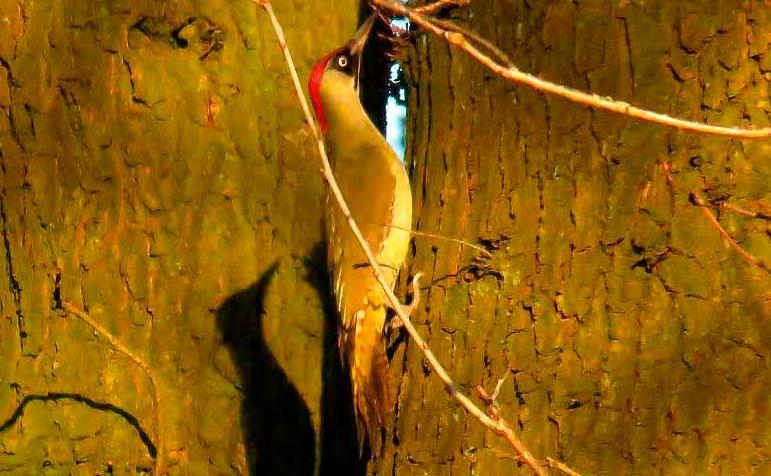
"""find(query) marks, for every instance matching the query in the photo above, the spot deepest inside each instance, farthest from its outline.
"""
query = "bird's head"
(336, 75)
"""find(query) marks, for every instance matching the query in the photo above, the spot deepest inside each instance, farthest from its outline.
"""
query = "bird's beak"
(356, 46)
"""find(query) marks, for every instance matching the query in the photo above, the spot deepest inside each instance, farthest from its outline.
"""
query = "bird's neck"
(348, 123)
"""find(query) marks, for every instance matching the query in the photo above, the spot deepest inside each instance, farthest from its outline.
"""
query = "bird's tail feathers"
(372, 392)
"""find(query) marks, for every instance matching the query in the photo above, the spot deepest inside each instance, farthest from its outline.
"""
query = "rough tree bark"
(633, 340)
(156, 171)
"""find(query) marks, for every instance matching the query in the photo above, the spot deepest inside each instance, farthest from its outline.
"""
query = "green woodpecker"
(373, 181)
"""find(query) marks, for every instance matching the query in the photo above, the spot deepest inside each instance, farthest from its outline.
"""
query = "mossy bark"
(157, 171)
(632, 339)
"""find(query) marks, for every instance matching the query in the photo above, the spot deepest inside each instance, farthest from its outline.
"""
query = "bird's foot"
(408, 309)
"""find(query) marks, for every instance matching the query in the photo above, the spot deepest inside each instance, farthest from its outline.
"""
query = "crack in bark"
(541, 206)
(14, 285)
(96, 405)
(73, 109)
(14, 130)
(628, 40)
(134, 97)
(30, 111)
(5, 64)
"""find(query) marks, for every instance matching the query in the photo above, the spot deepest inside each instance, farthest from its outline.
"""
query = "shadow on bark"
(277, 427)
(339, 447)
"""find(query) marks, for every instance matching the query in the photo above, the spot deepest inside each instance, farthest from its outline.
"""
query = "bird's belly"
(396, 243)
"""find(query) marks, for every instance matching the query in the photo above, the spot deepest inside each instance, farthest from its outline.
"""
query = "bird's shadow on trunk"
(339, 445)
(276, 422)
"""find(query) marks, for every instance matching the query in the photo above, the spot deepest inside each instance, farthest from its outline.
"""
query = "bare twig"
(83, 316)
(498, 387)
(749, 258)
(741, 211)
(440, 237)
(553, 463)
(500, 427)
(491, 400)
(696, 200)
(434, 7)
(459, 40)
(549, 463)
(502, 57)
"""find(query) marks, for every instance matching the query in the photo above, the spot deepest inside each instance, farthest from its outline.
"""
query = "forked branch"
(461, 40)
(697, 201)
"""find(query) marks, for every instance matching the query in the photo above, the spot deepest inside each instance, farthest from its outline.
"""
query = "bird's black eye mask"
(343, 62)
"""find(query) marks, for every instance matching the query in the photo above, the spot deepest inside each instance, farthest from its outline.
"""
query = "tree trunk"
(157, 172)
(632, 340)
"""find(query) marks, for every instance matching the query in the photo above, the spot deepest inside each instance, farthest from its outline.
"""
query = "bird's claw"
(408, 309)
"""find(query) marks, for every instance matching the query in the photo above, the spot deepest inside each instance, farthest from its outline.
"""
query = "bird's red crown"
(314, 86)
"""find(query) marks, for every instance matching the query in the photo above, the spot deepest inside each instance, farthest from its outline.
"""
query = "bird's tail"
(372, 393)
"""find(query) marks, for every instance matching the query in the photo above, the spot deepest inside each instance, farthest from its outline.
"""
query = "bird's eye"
(342, 61)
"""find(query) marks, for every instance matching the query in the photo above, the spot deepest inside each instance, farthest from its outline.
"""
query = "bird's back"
(375, 186)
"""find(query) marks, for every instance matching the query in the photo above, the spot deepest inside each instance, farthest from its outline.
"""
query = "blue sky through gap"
(396, 106)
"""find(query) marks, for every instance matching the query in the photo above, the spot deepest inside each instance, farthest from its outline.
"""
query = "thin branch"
(459, 40)
(553, 463)
(549, 463)
(503, 58)
(440, 237)
(696, 200)
(749, 258)
(741, 211)
(293, 72)
(71, 309)
(499, 427)
(434, 7)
